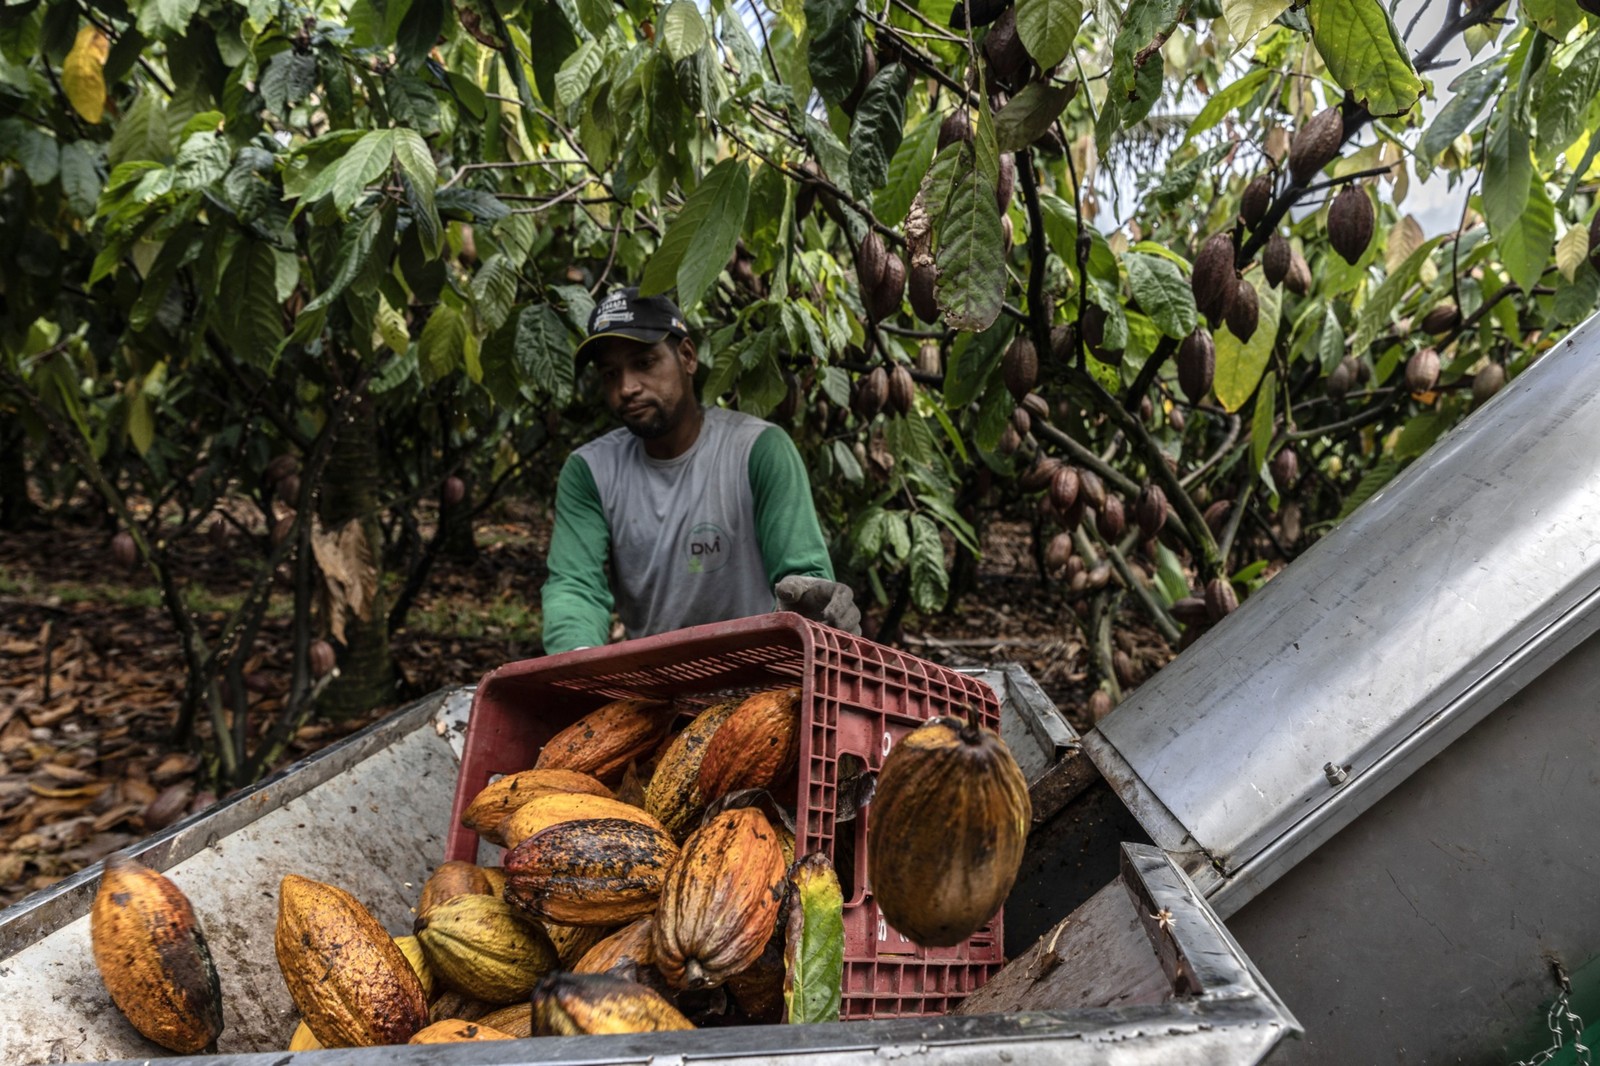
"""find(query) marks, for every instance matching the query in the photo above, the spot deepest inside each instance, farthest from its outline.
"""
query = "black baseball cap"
(624, 313)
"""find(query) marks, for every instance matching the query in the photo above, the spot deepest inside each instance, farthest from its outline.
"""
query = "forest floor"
(91, 671)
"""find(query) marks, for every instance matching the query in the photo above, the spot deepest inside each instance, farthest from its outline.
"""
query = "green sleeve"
(786, 519)
(577, 597)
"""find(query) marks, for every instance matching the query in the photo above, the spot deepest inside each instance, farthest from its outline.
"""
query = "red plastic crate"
(859, 698)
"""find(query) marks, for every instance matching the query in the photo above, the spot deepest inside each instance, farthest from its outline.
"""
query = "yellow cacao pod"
(539, 814)
(456, 1031)
(480, 947)
(351, 982)
(152, 956)
(757, 747)
(720, 900)
(602, 872)
(673, 796)
(411, 948)
(603, 742)
(572, 1004)
(948, 825)
(491, 807)
(515, 1021)
(574, 941)
(497, 880)
(303, 1039)
(633, 943)
(453, 879)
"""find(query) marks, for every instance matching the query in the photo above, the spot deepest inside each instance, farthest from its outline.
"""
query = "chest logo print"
(707, 548)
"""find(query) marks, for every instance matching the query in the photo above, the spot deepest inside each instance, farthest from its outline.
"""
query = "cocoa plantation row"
(649, 882)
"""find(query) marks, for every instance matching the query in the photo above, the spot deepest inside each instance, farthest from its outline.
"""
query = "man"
(705, 514)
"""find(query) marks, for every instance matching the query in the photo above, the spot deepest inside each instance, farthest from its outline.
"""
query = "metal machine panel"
(1445, 593)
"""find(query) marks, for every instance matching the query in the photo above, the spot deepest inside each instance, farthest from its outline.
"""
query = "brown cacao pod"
(573, 1004)
(1007, 55)
(1197, 364)
(1091, 490)
(1340, 378)
(1221, 600)
(1442, 319)
(1191, 611)
(1316, 145)
(516, 1021)
(1110, 519)
(1010, 440)
(123, 550)
(902, 390)
(1122, 666)
(758, 746)
(1350, 222)
(603, 742)
(1093, 324)
(1422, 370)
(1275, 260)
(321, 658)
(871, 393)
(1257, 197)
(922, 290)
(891, 287)
(868, 71)
(806, 198)
(759, 989)
(456, 1031)
(1214, 279)
(281, 467)
(1285, 469)
(482, 948)
(1150, 510)
(719, 903)
(1216, 516)
(1488, 381)
(1100, 704)
(1245, 311)
(1020, 368)
(1058, 552)
(957, 126)
(453, 491)
(1006, 183)
(352, 984)
(1036, 406)
(1021, 420)
(153, 959)
(289, 490)
(1038, 476)
(871, 257)
(572, 942)
(673, 796)
(1063, 343)
(1298, 280)
(1064, 488)
(487, 812)
(542, 812)
(452, 879)
(947, 829)
(602, 872)
(452, 1005)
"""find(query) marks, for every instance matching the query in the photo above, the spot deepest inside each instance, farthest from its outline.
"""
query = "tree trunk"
(350, 491)
(16, 507)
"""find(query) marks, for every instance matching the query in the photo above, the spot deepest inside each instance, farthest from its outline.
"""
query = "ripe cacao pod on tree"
(1020, 368)
(1091, 490)
(1197, 364)
(1275, 260)
(1422, 370)
(902, 390)
(1298, 279)
(1221, 600)
(1110, 520)
(871, 393)
(1037, 477)
(922, 287)
(1442, 319)
(891, 287)
(1064, 488)
(1488, 381)
(1010, 440)
(1150, 510)
(1244, 312)
(929, 358)
(869, 70)
(1350, 222)
(321, 658)
(949, 821)
(1316, 145)
(123, 550)
(1340, 378)
(1285, 468)
(957, 126)
(1021, 420)
(1216, 516)
(1256, 199)
(1214, 279)
(1008, 56)
(453, 491)
(1058, 552)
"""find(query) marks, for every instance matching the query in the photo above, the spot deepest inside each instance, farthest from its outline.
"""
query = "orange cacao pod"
(490, 808)
(453, 879)
(673, 796)
(756, 747)
(542, 812)
(603, 742)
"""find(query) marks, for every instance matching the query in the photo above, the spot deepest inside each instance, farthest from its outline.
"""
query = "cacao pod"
(573, 1004)
(1285, 469)
(1064, 488)
(453, 491)
(1150, 510)
(1036, 406)
(759, 990)
(1275, 260)
(633, 944)
(1007, 55)
(572, 942)
(303, 1039)
(1442, 319)
(673, 796)
(886, 295)
(1340, 378)
(1350, 222)
(603, 742)
(1100, 704)
(411, 948)
(1191, 611)
(1058, 552)
(1100, 576)
(922, 290)
(1093, 324)
(350, 981)
(902, 390)
(758, 746)
(1197, 364)
(1298, 280)
(1091, 490)
(1110, 520)
(1006, 183)
(1021, 421)
(1063, 343)
(1488, 381)
(1214, 279)
(957, 126)
(1020, 368)
(481, 948)
(456, 1031)
(806, 198)
(516, 1021)
(869, 70)
(602, 872)
(1256, 199)
(487, 812)
(929, 358)
(1422, 370)
(1221, 600)
(871, 393)
(542, 812)
(1122, 666)
(719, 902)
(289, 490)
(497, 880)
(123, 550)
(871, 254)
(1010, 440)
(1216, 516)
(1245, 312)
(1316, 145)
(321, 658)
(1177, 418)
(153, 959)
(1038, 476)
(451, 1005)
(452, 879)
(947, 829)
(281, 467)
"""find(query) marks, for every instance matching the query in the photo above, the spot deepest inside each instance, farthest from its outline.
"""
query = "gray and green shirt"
(699, 538)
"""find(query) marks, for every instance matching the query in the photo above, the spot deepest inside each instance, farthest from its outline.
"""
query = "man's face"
(650, 388)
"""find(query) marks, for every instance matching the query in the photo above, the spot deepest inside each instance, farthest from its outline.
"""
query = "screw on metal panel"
(1337, 775)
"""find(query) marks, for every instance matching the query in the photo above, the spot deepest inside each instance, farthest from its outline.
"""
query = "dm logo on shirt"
(708, 547)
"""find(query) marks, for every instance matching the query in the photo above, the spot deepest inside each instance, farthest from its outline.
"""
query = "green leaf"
(970, 255)
(494, 290)
(142, 133)
(1030, 113)
(1225, 101)
(1048, 28)
(202, 159)
(290, 77)
(165, 18)
(80, 177)
(1377, 313)
(418, 31)
(701, 238)
(813, 948)
(35, 149)
(683, 31)
(1246, 18)
(141, 422)
(834, 54)
(254, 325)
(1419, 434)
(1262, 424)
(835, 382)
(355, 248)
(1519, 212)
(1526, 247)
(877, 128)
(1564, 100)
(906, 170)
(1469, 94)
(578, 73)
(1240, 365)
(549, 26)
(1382, 472)
(1365, 54)
(442, 345)
(1163, 293)
(367, 159)
(544, 351)
(930, 582)
(845, 460)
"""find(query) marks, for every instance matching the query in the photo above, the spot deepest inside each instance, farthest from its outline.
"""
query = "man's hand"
(821, 600)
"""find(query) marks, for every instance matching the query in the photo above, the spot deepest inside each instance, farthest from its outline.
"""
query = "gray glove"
(821, 600)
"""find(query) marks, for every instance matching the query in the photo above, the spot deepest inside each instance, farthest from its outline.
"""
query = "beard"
(649, 425)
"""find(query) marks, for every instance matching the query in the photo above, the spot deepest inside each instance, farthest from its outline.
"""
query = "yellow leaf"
(1404, 238)
(83, 74)
(1571, 251)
